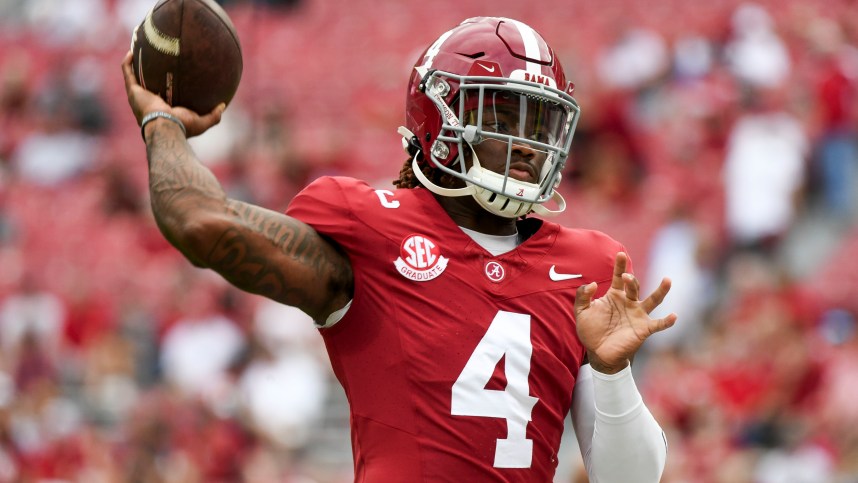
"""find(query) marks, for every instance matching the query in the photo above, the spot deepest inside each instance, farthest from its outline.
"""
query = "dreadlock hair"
(407, 178)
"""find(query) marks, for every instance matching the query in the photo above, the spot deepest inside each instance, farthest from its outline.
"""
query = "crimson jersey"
(458, 365)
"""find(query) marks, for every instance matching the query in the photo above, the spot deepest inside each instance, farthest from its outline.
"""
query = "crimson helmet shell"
(480, 46)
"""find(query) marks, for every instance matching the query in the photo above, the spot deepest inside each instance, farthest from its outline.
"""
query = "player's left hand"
(613, 327)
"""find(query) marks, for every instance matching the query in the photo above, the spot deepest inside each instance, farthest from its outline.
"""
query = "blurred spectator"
(836, 101)
(31, 316)
(109, 386)
(203, 329)
(68, 115)
(60, 22)
(84, 86)
(53, 154)
(764, 171)
(680, 250)
(840, 382)
(636, 58)
(15, 99)
(806, 464)
(608, 162)
(693, 56)
(90, 316)
(283, 388)
(755, 52)
(172, 439)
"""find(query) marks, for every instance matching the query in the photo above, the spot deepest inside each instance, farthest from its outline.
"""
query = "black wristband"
(159, 114)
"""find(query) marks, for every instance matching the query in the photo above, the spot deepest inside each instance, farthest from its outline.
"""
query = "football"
(188, 52)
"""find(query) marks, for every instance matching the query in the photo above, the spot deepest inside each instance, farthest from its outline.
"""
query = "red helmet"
(481, 63)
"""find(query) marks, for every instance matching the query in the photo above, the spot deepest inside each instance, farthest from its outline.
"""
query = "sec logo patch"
(420, 259)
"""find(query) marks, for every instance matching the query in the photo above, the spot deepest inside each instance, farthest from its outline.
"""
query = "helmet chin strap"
(543, 211)
(481, 195)
(439, 190)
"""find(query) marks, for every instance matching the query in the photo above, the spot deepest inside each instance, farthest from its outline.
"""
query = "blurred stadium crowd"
(719, 141)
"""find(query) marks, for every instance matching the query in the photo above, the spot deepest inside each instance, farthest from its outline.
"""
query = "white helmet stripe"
(531, 46)
(435, 48)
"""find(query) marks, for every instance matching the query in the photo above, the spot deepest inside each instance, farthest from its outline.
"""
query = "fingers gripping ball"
(188, 52)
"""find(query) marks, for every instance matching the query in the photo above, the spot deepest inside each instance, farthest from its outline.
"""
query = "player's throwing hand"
(143, 102)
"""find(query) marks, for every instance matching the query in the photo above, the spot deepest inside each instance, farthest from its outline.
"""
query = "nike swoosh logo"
(490, 69)
(559, 277)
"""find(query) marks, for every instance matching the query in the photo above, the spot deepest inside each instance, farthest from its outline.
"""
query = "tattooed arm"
(257, 250)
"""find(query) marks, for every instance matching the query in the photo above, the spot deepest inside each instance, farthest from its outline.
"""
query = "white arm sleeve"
(619, 438)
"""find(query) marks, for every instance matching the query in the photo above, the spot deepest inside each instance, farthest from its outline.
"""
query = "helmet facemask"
(516, 113)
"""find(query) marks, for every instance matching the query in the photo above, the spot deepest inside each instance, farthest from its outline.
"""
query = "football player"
(463, 329)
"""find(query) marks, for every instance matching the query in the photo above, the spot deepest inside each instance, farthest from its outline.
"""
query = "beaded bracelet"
(155, 115)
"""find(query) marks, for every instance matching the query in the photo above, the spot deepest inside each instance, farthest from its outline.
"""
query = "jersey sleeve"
(324, 205)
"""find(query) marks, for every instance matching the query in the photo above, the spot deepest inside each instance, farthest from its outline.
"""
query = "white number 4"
(509, 335)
